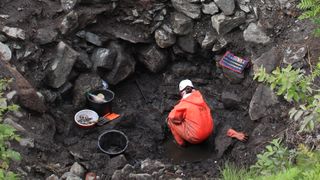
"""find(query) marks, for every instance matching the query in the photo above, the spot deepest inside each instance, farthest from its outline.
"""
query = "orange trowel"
(107, 118)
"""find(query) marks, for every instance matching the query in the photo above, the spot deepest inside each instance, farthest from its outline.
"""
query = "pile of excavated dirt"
(143, 49)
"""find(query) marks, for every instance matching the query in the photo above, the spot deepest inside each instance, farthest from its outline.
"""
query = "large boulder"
(188, 43)
(123, 66)
(164, 38)
(181, 24)
(153, 58)
(227, 6)
(188, 8)
(254, 33)
(262, 101)
(103, 58)
(83, 84)
(69, 23)
(5, 52)
(62, 65)
(269, 60)
(224, 24)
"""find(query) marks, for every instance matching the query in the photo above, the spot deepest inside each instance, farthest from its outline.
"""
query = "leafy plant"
(7, 133)
(311, 11)
(276, 158)
(300, 164)
(297, 87)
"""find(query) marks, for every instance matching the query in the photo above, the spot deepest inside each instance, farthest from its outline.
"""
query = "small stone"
(70, 176)
(93, 38)
(209, 40)
(181, 24)
(27, 142)
(5, 52)
(164, 38)
(103, 58)
(223, 24)
(14, 32)
(210, 8)
(127, 169)
(15, 125)
(69, 23)
(68, 5)
(77, 169)
(52, 177)
(3, 38)
(135, 13)
(220, 44)
(187, 43)
(186, 7)
(294, 55)
(46, 35)
(3, 104)
(143, 176)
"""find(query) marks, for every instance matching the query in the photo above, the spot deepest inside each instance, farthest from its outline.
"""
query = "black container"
(101, 108)
(113, 142)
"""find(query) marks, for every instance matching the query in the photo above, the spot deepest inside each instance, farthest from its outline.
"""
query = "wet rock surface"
(142, 49)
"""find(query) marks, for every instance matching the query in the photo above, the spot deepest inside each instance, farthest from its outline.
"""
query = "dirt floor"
(144, 100)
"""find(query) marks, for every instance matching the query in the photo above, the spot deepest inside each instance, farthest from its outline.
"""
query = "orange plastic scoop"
(111, 116)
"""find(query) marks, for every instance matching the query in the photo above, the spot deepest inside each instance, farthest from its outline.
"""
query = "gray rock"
(5, 52)
(244, 5)
(294, 55)
(149, 165)
(3, 38)
(14, 32)
(127, 169)
(209, 40)
(255, 34)
(186, 7)
(46, 35)
(52, 177)
(220, 44)
(269, 60)
(117, 175)
(11, 95)
(230, 100)
(143, 176)
(187, 43)
(27, 142)
(124, 65)
(210, 8)
(50, 96)
(227, 6)
(68, 5)
(262, 100)
(118, 161)
(93, 38)
(70, 176)
(103, 58)
(83, 62)
(223, 24)
(15, 125)
(129, 33)
(77, 169)
(153, 58)
(181, 24)
(62, 65)
(83, 84)
(69, 23)
(164, 38)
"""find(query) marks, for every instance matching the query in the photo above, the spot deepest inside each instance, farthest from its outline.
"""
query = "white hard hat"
(184, 83)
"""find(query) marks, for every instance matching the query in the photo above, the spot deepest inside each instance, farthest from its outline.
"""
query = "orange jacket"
(194, 112)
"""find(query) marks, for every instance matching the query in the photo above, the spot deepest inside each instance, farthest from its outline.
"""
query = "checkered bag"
(234, 63)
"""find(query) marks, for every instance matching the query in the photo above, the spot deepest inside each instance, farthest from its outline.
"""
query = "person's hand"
(241, 136)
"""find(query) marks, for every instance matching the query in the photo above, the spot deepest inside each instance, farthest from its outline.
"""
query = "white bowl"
(90, 114)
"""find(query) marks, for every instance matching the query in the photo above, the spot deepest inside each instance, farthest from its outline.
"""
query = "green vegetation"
(311, 11)
(7, 133)
(299, 88)
(276, 163)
